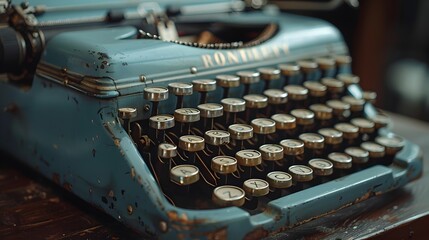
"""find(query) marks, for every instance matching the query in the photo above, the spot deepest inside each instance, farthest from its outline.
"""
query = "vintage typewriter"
(197, 119)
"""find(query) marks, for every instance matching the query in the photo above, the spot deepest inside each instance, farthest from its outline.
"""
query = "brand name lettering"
(222, 58)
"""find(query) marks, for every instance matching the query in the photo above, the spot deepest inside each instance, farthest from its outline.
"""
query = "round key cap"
(191, 143)
(375, 150)
(348, 78)
(392, 144)
(248, 77)
(321, 167)
(240, 131)
(296, 92)
(356, 104)
(233, 105)
(369, 96)
(271, 152)
(340, 160)
(339, 108)
(303, 116)
(167, 150)
(127, 113)
(278, 179)
(325, 63)
(210, 110)
(301, 173)
(224, 164)
(161, 122)
(276, 96)
(184, 174)
(380, 120)
(180, 88)
(284, 121)
(292, 146)
(268, 74)
(248, 157)
(312, 140)
(255, 101)
(333, 85)
(155, 94)
(289, 69)
(332, 136)
(364, 125)
(256, 187)
(187, 115)
(263, 125)
(307, 66)
(321, 111)
(349, 131)
(316, 89)
(204, 85)
(359, 155)
(228, 81)
(216, 137)
(228, 195)
(342, 60)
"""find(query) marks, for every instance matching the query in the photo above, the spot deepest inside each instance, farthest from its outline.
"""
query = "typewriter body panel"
(66, 125)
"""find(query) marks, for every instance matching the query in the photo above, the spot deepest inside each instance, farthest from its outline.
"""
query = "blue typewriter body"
(65, 124)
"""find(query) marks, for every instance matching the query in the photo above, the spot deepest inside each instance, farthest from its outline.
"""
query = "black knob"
(12, 50)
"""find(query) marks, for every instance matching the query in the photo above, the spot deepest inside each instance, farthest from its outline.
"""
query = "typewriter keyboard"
(275, 131)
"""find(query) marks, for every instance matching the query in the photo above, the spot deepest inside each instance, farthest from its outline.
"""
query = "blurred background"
(389, 43)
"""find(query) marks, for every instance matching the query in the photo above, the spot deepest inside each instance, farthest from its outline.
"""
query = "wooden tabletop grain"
(32, 207)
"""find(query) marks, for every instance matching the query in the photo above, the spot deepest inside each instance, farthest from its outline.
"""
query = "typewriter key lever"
(126, 114)
(180, 90)
(155, 95)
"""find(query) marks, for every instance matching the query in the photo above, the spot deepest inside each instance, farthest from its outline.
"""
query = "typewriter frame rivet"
(142, 78)
(193, 70)
(146, 108)
(130, 209)
(163, 226)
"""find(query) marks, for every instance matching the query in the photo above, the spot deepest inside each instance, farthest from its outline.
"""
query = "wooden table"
(33, 208)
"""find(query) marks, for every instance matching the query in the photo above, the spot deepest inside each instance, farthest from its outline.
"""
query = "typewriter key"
(341, 161)
(370, 96)
(155, 95)
(232, 106)
(203, 86)
(186, 116)
(253, 103)
(167, 150)
(297, 95)
(356, 105)
(327, 65)
(180, 89)
(322, 114)
(290, 72)
(380, 120)
(240, 131)
(340, 109)
(228, 195)
(309, 69)
(392, 144)
(341, 60)
(313, 143)
(333, 139)
(269, 74)
(271, 152)
(226, 82)
(300, 175)
(322, 168)
(184, 174)
(216, 138)
(284, 121)
(262, 127)
(293, 150)
(191, 144)
(359, 156)
(335, 87)
(376, 152)
(248, 78)
(366, 127)
(317, 91)
(223, 166)
(126, 114)
(304, 119)
(278, 179)
(350, 133)
(160, 123)
(248, 157)
(210, 111)
(256, 187)
(348, 79)
(276, 96)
